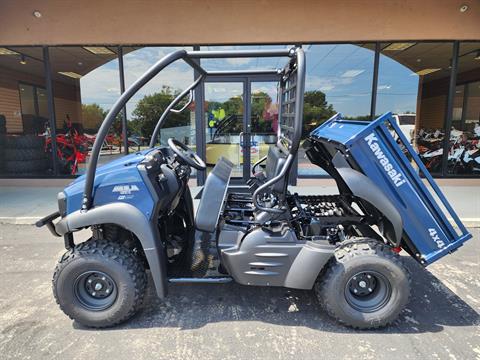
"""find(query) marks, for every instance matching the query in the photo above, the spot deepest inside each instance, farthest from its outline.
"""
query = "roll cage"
(291, 89)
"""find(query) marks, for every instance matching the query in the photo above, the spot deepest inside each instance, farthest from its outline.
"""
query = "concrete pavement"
(25, 205)
(231, 321)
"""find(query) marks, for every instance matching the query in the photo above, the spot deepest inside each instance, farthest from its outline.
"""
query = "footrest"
(213, 196)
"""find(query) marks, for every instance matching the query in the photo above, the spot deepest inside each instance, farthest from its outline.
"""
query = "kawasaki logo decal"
(394, 174)
(125, 191)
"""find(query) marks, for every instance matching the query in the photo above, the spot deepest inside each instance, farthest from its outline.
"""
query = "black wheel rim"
(368, 291)
(95, 290)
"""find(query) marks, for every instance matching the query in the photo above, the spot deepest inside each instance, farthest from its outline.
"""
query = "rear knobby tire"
(123, 274)
(365, 285)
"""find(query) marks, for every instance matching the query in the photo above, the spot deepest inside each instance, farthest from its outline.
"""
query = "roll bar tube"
(170, 108)
(112, 114)
(221, 54)
(254, 167)
(188, 57)
(190, 100)
(269, 183)
(300, 90)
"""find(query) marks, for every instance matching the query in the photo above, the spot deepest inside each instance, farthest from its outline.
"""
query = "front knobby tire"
(99, 283)
(365, 286)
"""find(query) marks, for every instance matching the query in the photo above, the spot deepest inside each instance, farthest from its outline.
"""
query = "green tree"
(92, 116)
(151, 107)
(359, 117)
(316, 110)
(233, 106)
(260, 103)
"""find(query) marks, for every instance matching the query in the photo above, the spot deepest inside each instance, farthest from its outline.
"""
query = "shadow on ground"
(432, 307)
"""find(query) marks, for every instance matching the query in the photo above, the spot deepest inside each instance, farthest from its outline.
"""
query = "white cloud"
(238, 61)
(102, 85)
(352, 73)
(326, 83)
(384, 87)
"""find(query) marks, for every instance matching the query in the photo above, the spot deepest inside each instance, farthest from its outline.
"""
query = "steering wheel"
(186, 154)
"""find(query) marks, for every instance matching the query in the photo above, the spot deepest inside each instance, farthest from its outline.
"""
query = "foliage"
(316, 110)
(150, 108)
(261, 122)
(359, 117)
(92, 115)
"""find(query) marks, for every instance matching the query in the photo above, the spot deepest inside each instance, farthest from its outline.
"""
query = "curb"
(19, 220)
(468, 222)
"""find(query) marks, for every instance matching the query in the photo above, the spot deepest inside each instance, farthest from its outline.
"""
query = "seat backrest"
(274, 164)
(213, 196)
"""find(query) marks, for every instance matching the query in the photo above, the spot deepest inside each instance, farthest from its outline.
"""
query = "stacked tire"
(25, 155)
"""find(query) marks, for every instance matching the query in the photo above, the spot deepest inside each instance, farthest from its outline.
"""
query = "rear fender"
(364, 188)
(132, 219)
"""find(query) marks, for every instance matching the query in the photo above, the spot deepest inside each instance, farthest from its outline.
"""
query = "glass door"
(224, 110)
(263, 119)
(241, 122)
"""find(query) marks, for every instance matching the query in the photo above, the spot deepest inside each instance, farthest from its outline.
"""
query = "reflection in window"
(148, 104)
(413, 84)
(42, 102)
(264, 119)
(27, 99)
(339, 79)
(223, 109)
(464, 153)
(24, 121)
(86, 84)
(145, 108)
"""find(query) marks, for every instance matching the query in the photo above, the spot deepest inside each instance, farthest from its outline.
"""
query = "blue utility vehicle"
(141, 215)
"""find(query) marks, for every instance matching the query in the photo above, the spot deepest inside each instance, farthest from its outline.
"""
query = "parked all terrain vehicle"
(345, 247)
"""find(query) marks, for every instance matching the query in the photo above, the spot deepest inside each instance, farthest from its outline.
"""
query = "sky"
(343, 72)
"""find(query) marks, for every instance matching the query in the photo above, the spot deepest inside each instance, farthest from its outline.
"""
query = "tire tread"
(112, 251)
(344, 253)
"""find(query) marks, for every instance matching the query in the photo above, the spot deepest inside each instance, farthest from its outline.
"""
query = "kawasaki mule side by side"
(345, 247)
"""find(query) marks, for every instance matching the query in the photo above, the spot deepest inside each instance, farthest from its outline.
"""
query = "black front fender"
(132, 219)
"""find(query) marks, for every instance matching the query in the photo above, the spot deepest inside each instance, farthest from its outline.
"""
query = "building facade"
(63, 65)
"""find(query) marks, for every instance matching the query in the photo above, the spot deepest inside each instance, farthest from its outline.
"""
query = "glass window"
(224, 124)
(413, 83)
(42, 102)
(339, 80)
(264, 118)
(85, 84)
(464, 153)
(256, 128)
(28, 99)
(146, 107)
(24, 120)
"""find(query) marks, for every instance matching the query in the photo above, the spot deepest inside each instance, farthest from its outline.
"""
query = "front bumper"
(48, 220)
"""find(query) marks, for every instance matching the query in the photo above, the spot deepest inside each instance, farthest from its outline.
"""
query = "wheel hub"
(99, 285)
(362, 284)
(367, 291)
(95, 290)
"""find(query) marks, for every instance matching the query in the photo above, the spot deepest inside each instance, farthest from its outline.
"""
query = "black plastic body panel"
(129, 218)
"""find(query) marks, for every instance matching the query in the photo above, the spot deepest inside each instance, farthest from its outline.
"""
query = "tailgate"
(424, 210)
